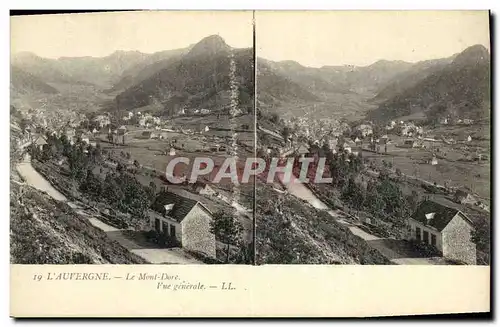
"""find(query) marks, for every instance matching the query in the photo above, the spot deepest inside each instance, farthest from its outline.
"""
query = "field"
(455, 167)
(153, 156)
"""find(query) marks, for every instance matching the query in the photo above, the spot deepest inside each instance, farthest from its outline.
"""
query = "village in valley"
(141, 144)
(89, 173)
(407, 147)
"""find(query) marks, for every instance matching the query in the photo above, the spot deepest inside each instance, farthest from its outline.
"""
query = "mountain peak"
(290, 64)
(125, 52)
(24, 55)
(383, 63)
(473, 55)
(209, 45)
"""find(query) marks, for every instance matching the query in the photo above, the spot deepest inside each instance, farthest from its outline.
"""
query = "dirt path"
(152, 255)
(33, 178)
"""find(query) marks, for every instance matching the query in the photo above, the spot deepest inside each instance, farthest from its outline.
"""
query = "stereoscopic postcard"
(250, 163)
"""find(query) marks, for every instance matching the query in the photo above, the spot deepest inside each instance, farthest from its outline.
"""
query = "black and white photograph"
(109, 112)
(236, 163)
(383, 120)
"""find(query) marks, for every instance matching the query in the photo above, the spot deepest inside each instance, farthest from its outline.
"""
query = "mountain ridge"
(460, 88)
(200, 77)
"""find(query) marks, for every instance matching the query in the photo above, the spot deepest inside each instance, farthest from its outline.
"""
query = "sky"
(100, 34)
(361, 38)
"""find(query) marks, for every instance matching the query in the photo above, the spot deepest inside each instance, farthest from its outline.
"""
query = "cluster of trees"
(381, 197)
(228, 230)
(119, 189)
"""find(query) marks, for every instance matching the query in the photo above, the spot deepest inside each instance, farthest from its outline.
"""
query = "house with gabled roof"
(122, 130)
(40, 141)
(446, 228)
(184, 219)
(463, 196)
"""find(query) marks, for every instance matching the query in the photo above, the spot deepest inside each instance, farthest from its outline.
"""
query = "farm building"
(203, 189)
(410, 144)
(445, 228)
(462, 196)
(122, 130)
(185, 220)
(302, 150)
(70, 134)
(365, 129)
(40, 142)
(148, 135)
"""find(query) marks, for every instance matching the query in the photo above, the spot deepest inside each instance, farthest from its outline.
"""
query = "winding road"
(150, 254)
(388, 247)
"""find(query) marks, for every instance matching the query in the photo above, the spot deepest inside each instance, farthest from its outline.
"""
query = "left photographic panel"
(128, 134)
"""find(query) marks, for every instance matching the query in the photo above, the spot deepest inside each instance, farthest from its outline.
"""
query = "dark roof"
(461, 192)
(442, 214)
(182, 205)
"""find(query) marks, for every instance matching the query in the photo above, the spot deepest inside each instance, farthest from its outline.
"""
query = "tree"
(274, 118)
(354, 194)
(227, 229)
(152, 190)
(119, 167)
(91, 185)
(481, 235)
(23, 124)
(374, 201)
(245, 254)
(286, 133)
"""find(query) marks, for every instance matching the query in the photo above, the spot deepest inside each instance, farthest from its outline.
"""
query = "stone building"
(184, 219)
(445, 228)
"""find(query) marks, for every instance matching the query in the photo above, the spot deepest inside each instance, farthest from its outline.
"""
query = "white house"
(185, 220)
(40, 142)
(445, 228)
(365, 129)
(443, 121)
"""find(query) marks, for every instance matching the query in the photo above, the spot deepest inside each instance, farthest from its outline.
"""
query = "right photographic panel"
(375, 130)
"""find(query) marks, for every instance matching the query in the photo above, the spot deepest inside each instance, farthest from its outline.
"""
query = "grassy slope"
(292, 232)
(45, 231)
